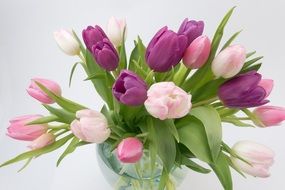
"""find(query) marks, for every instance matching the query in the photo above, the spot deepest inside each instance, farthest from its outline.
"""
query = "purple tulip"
(130, 89)
(165, 50)
(105, 55)
(243, 91)
(192, 29)
(91, 35)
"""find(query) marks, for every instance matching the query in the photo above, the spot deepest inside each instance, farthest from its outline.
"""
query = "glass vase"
(138, 176)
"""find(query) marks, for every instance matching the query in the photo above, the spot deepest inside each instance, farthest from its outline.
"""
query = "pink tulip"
(91, 126)
(267, 84)
(229, 62)
(35, 91)
(43, 141)
(270, 115)
(167, 101)
(130, 150)
(197, 53)
(259, 158)
(20, 131)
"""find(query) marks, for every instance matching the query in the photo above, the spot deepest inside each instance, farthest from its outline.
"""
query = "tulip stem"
(204, 102)
(243, 118)
(181, 75)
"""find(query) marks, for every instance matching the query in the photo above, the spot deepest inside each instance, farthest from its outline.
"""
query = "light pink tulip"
(67, 42)
(130, 150)
(267, 84)
(197, 53)
(270, 115)
(43, 141)
(115, 30)
(35, 91)
(259, 158)
(91, 126)
(20, 131)
(229, 62)
(167, 101)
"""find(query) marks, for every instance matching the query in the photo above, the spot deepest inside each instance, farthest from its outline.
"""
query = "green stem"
(204, 102)
(65, 126)
(181, 75)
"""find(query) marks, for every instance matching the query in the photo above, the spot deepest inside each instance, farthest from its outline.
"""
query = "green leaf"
(252, 61)
(212, 124)
(138, 56)
(72, 71)
(255, 67)
(61, 101)
(95, 76)
(232, 38)
(153, 148)
(71, 148)
(236, 122)
(163, 179)
(193, 165)
(43, 120)
(38, 152)
(63, 115)
(250, 54)
(122, 53)
(193, 135)
(222, 170)
(172, 128)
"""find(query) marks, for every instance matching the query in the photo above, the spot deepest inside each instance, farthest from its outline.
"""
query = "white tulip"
(115, 30)
(67, 42)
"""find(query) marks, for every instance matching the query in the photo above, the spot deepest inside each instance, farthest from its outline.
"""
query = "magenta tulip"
(20, 131)
(270, 115)
(130, 150)
(36, 92)
(43, 141)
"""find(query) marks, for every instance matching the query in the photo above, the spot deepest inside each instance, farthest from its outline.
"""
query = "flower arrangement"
(169, 98)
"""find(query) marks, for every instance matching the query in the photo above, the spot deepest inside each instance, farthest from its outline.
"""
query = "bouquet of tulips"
(170, 98)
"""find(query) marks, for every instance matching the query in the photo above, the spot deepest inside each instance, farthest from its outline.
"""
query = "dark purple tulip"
(243, 91)
(91, 35)
(165, 50)
(130, 89)
(192, 29)
(105, 55)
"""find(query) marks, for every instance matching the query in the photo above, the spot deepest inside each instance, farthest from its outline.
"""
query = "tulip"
(20, 131)
(106, 55)
(197, 53)
(243, 91)
(42, 141)
(115, 30)
(165, 50)
(130, 89)
(270, 115)
(267, 85)
(229, 62)
(192, 29)
(67, 42)
(130, 150)
(36, 92)
(167, 101)
(91, 35)
(258, 158)
(91, 126)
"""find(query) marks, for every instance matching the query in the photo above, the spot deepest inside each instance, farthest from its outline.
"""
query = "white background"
(27, 49)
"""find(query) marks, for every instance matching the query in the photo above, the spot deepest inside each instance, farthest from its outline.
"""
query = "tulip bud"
(106, 55)
(130, 150)
(67, 42)
(243, 91)
(229, 62)
(91, 126)
(36, 92)
(42, 141)
(197, 53)
(20, 131)
(167, 101)
(267, 85)
(270, 115)
(165, 50)
(191, 29)
(259, 158)
(115, 30)
(130, 89)
(91, 35)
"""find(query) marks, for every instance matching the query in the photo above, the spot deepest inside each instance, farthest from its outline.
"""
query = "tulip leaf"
(252, 61)
(163, 179)
(193, 165)
(72, 71)
(61, 101)
(44, 120)
(71, 148)
(236, 122)
(172, 128)
(212, 124)
(255, 67)
(95, 76)
(63, 115)
(250, 54)
(222, 170)
(38, 152)
(232, 38)
(193, 135)
(122, 53)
